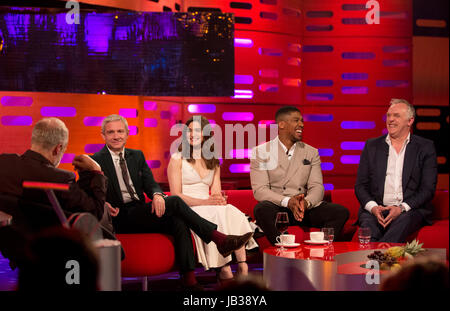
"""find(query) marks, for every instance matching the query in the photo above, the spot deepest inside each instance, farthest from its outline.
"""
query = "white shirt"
(393, 191)
(123, 188)
(290, 154)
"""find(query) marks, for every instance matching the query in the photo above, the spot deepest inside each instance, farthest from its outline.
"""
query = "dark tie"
(126, 178)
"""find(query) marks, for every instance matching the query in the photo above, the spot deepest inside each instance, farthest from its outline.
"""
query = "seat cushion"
(147, 254)
(435, 236)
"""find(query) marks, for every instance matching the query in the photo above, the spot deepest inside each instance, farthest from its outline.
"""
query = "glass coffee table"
(336, 267)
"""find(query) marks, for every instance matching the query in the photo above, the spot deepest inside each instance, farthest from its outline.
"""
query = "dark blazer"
(140, 174)
(86, 195)
(419, 174)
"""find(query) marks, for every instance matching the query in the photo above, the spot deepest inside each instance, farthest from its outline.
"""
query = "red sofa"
(152, 253)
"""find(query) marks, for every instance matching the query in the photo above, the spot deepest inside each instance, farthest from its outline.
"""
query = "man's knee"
(261, 209)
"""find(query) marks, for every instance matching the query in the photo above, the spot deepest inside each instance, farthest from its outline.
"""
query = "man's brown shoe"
(232, 243)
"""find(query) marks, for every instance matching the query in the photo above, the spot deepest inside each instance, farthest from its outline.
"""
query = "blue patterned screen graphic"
(122, 53)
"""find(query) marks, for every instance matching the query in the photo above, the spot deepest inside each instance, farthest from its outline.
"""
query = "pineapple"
(408, 251)
(414, 248)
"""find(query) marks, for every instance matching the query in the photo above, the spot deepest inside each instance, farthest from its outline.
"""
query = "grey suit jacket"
(273, 176)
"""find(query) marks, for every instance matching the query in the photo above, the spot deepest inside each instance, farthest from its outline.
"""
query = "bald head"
(48, 133)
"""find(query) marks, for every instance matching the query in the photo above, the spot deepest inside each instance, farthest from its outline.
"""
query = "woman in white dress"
(192, 175)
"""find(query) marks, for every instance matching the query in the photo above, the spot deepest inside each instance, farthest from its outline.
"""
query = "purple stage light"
(23, 101)
(355, 90)
(317, 117)
(93, 121)
(93, 148)
(237, 116)
(352, 145)
(244, 43)
(133, 130)
(358, 55)
(165, 114)
(319, 97)
(203, 108)
(392, 83)
(350, 159)
(128, 112)
(327, 166)
(326, 152)
(243, 94)
(240, 153)
(154, 163)
(243, 79)
(149, 105)
(150, 122)
(67, 157)
(319, 83)
(355, 76)
(240, 168)
(17, 120)
(328, 186)
(58, 111)
(360, 125)
(317, 48)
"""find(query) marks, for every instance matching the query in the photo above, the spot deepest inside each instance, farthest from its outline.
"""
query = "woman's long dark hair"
(210, 163)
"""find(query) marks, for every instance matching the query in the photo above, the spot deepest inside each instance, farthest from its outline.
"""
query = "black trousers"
(397, 231)
(178, 219)
(325, 215)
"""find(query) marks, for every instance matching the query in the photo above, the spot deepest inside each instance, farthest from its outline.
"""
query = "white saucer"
(287, 245)
(316, 242)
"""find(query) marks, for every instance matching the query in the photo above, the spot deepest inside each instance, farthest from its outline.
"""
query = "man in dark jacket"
(396, 178)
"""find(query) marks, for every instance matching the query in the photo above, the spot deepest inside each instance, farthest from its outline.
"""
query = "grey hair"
(112, 118)
(49, 132)
(411, 110)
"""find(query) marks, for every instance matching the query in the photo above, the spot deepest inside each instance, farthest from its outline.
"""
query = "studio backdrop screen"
(124, 53)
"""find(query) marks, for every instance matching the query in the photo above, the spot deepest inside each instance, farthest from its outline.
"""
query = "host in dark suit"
(83, 203)
(129, 178)
(49, 141)
(396, 178)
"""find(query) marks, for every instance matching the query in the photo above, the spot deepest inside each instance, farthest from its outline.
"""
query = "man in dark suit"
(33, 212)
(396, 178)
(129, 178)
(49, 141)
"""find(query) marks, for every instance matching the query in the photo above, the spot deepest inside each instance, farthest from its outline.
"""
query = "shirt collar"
(114, 154)
(283, 146)
(389, 142)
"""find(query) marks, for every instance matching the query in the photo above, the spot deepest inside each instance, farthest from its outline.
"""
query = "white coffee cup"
(316, 236)
(286, 239)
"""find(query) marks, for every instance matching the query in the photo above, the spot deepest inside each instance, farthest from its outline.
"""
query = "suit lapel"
(109, 169)
(408, 162)
(294, 163)
(282, 157)
(382, 159)
(132, 166)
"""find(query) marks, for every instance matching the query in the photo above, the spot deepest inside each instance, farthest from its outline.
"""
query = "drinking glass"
(224, 195)
(328, 234)
(282, 223)
(364, 236)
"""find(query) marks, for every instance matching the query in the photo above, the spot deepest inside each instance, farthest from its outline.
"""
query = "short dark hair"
(285, 111)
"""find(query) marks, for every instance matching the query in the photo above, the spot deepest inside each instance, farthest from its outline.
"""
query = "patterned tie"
(126, 178)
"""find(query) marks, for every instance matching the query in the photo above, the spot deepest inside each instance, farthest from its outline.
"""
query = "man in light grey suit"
(286, 176)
